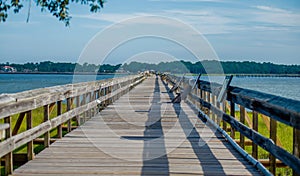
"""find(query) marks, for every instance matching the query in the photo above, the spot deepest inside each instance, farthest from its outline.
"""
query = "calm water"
(12, 83)
(282, 86)
(288, 87)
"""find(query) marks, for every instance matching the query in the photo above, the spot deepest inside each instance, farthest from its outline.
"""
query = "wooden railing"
(253, 108)
(52, 111)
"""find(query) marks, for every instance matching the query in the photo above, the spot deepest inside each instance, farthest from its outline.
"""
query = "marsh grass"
(37, 119)
(284, 135)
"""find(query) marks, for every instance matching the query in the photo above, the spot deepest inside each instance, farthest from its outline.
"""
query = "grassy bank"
(284, 139)
(37, 119)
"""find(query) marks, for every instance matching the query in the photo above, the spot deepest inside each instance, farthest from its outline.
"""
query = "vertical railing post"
(296, 146)
(69, 104)
(224, 109)
(255, 127)
(242, 120)
(83, 101)
(208, 100)
(203, 98)
(78, 105)
(8, 167)
(47, 134)
(94, 97)
(273, 136)
(90, 100)
(232, 113)
(218, 118)
(30, 147)
(59, 112)
(213, 97)
(110, 91)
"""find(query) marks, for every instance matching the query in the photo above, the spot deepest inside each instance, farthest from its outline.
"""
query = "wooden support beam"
(266, 163)
(255, 127)
(267, 123)
(41, 141)
(59, 112)
(69, 104)
(8, 167)
(83, 102)
(52, 107)
(242, 120)
(209, 101)
(218, 118)
(246, 142)
(224, 110)
(213, 97)
(47, 134)
(273, 136)
(296, 146)
(89, 115)
(18, 123)
(232, 113)
(77, 105)
(30, 147)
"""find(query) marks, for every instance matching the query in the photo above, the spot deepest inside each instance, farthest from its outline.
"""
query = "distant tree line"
(48, 66)
(173, 67)
(229, 67)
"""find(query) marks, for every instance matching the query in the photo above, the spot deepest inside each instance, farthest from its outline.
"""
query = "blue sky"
(256, 30)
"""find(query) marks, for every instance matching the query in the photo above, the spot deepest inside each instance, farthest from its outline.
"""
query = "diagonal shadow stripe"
(154, 150)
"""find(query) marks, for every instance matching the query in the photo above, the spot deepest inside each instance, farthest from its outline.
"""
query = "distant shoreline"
(64, 73)
(93, 73)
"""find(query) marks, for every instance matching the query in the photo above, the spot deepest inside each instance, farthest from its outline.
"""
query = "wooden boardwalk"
(142, 133)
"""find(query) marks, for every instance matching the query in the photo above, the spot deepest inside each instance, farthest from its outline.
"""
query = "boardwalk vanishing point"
(141, 133)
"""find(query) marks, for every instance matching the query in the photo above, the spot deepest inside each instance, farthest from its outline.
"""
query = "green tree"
(58, 8)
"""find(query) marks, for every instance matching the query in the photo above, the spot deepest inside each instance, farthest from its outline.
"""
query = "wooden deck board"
(142, 133)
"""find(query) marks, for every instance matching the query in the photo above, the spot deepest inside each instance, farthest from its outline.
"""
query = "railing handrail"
(277, 108)
(23, 101)
(111, 87)
(281, 109)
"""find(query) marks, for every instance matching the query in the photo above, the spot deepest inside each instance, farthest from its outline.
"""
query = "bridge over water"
(138, 131)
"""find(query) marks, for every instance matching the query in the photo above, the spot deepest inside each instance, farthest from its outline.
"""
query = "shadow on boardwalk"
(154, 153)
(203, 153)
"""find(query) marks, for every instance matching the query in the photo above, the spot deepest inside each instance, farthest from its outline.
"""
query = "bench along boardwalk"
(138, 131)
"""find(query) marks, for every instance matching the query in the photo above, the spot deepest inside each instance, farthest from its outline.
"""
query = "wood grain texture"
(141, 133)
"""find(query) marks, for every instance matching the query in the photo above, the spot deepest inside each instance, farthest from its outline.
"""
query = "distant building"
(8, 69)
(121, 70)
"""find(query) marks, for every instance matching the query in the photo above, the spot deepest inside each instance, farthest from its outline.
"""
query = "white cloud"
(282, 17)
(207, 21)
(108, 17)
(271, 9)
